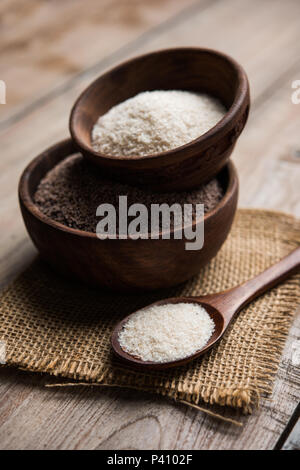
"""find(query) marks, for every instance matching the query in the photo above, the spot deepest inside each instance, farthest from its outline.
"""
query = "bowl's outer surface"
(120, 264)
(193, 69)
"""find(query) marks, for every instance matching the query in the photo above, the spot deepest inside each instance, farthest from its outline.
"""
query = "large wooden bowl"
(193, 69)
(120, 264)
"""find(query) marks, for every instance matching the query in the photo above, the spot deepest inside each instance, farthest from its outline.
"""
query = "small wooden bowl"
(121, 264)
(186, 167)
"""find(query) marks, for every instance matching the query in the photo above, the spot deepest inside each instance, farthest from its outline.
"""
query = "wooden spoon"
(222, 307)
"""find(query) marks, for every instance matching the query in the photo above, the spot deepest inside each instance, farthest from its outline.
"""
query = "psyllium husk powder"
(155, 121)
(71, 192)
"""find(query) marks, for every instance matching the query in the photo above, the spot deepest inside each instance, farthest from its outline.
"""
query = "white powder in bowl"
(155, 121)
(164, 333)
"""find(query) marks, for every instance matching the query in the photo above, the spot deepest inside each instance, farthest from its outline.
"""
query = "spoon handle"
(233, 300)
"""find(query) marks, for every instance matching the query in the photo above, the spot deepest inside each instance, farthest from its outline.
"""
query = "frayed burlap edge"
(270, 349)
(245, 399)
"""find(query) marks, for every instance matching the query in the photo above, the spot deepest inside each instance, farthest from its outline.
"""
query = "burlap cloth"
(53, 325)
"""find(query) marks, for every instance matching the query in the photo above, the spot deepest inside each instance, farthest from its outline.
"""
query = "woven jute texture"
(52, 325)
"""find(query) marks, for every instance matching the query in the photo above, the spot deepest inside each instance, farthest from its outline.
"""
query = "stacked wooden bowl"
(126, 264)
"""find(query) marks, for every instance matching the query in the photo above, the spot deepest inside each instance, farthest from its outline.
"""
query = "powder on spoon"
(169, 332)
(71, 192)
(155, 121)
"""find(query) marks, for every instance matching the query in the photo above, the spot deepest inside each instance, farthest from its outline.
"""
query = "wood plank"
(45, 43)
(290, 438)
(47, 124)
(256, 16)
(266, 37)
(269, 175)
(96, 418)
(113, 419)
(293, 440)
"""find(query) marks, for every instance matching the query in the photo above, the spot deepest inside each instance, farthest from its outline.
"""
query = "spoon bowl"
(215, 315)
(221, 307)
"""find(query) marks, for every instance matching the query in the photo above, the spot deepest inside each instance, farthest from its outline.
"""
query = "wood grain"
(293, 440)
(45, 43)
(33, 417)
(264, 39)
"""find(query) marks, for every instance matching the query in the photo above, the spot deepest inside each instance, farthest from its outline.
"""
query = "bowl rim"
(220, 127)
(67, 144)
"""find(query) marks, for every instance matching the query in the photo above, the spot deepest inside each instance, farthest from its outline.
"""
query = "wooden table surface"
(49, 52)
